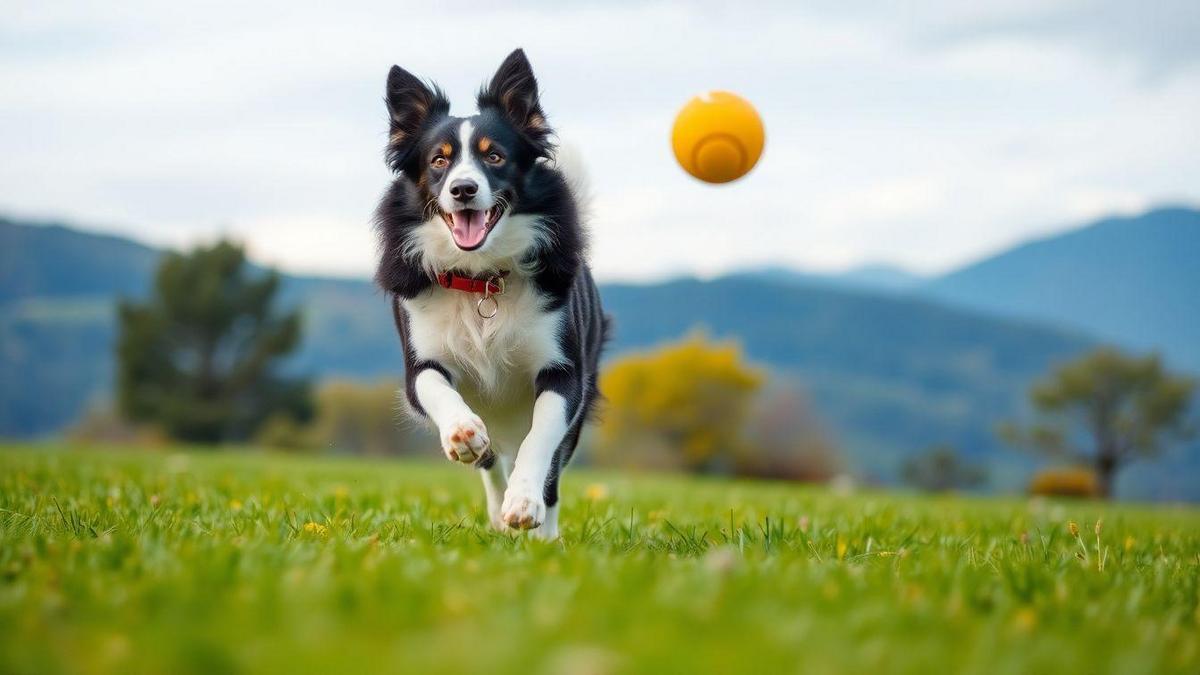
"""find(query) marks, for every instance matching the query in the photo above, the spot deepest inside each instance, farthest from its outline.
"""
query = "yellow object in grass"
(317, 529)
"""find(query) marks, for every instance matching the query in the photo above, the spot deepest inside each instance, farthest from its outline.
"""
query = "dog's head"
(469, 171)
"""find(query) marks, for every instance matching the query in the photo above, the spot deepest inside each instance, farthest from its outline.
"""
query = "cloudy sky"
(922, 135)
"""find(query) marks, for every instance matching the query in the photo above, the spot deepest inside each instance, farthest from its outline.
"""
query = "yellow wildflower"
(1025, 620)
(596, 492)
(235, 504)
(1073, 528)
(316, 528)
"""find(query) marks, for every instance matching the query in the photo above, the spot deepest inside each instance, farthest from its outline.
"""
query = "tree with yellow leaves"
(684, 404)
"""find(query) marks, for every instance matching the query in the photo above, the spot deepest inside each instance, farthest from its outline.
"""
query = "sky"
(923, 135)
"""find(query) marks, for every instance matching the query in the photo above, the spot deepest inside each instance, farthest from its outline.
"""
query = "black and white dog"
(482, 253)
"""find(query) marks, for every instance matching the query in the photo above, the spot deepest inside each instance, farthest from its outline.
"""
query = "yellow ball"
(718, 137)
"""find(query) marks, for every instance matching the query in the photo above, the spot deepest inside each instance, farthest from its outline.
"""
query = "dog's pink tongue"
(468, 230)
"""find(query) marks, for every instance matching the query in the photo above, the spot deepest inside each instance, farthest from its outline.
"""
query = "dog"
(482, 254)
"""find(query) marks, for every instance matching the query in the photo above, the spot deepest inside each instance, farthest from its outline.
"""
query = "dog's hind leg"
(495, 481)
(549, 528)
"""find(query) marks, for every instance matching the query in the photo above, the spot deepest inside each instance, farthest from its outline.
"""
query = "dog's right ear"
(411, 105)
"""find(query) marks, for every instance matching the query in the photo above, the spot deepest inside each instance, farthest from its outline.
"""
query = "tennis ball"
(717, 137)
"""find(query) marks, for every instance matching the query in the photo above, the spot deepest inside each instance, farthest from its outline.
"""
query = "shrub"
(1065, 482)
(102, 425)
(364, 418)
(283, 432)
(785, 439)
(942, 468)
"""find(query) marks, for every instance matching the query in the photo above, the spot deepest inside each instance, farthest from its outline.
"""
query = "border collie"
(482, 254)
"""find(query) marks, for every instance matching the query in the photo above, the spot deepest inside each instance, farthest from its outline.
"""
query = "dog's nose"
(463, 189)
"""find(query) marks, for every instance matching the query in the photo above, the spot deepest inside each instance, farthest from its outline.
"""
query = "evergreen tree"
(200, 357)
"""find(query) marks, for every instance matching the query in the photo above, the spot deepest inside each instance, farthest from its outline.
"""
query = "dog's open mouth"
(470, 227)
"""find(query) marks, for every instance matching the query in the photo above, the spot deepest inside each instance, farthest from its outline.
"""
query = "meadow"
(241, 561)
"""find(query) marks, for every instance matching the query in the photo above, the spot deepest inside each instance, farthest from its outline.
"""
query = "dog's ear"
(514, 92)
(411, 105)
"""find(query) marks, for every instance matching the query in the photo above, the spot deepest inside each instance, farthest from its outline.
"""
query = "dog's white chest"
(515, 344)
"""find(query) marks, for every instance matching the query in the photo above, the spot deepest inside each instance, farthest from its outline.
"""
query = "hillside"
(1130, 280)
(50, 260)
(879, 277)
(891, 374)
(876, 277)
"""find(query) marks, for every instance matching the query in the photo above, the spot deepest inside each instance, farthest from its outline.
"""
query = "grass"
(223, 562)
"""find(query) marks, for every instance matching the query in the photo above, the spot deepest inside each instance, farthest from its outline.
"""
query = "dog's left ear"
(514, 92)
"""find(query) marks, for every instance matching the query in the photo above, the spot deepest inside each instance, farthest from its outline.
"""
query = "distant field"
(211, 563)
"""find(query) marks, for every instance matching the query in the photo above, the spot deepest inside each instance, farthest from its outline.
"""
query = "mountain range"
(895, 363)
(1133, 281)
(1130, 280)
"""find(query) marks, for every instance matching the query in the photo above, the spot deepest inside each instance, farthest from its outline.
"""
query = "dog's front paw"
(523, 508)
(465, 440)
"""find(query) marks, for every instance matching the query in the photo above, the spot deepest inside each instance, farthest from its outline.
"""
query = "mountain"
(892, 374)
(1130, 280)
(54, 261)
(878, 276)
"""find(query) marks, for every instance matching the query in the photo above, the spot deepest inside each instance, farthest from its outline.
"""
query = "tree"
(1105, 410)
(941, 468)
(687, 401)
(199, 358)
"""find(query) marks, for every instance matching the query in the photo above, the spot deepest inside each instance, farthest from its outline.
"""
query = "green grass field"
(222, 562)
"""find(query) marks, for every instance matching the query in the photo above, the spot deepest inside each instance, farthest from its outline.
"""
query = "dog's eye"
(494, 158)
(439, 162)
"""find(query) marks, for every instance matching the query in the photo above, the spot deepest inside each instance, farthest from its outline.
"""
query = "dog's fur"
(491, 175)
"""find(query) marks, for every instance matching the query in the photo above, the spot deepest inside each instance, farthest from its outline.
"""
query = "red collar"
(492, 284)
